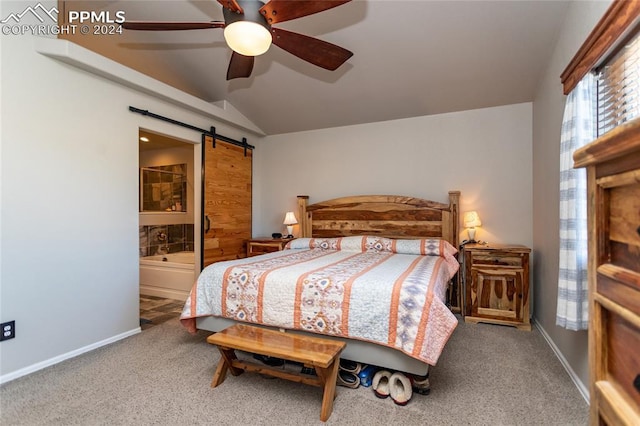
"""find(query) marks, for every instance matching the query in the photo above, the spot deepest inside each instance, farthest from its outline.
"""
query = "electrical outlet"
(7, 330)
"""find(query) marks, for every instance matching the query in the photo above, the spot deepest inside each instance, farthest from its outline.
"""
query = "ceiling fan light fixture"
(247, 38)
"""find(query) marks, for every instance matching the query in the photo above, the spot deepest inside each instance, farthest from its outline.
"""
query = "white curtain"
(578, 129)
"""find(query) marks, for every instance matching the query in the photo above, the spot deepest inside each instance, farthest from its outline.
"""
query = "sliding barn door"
(226, 201)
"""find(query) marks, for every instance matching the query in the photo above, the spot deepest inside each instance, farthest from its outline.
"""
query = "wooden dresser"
(613, 173)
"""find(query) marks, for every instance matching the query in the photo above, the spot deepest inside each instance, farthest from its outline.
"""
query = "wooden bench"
(321, 354)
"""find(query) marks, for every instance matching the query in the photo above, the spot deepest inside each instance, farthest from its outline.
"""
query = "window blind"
(618, 89)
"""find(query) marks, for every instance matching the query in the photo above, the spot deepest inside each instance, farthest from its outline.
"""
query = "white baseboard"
(55, 360)
(584, 391)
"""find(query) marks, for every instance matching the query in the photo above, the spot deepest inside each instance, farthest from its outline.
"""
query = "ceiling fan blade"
(170, 26)
(284, 10)
(240, 66)
(232, 5)
(318, 52)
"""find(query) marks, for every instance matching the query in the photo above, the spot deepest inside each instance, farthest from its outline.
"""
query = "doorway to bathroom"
(167, 209)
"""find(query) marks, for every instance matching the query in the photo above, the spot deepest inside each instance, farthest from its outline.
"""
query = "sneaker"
(420, 384)
(308, 370)
(347, 379)
(269, 360)
(366, 375)
(350, 366)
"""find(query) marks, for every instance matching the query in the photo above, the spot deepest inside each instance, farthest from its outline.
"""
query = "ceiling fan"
(248, 31)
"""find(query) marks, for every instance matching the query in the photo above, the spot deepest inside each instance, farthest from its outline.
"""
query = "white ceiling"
(411, 58)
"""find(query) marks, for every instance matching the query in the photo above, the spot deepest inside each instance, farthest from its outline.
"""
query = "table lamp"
(471, 220)
(290, 220)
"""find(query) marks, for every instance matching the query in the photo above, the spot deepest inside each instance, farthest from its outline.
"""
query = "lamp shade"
(471, 219)
(247, 33)
(247, 38)
(290, 219)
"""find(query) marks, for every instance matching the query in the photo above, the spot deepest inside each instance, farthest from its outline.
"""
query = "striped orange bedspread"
(390, 292)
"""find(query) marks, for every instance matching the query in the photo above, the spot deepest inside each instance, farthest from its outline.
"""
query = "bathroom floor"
(156, 310)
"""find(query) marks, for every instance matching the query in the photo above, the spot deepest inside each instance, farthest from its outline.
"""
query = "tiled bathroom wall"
(158, 239)
(164, 188)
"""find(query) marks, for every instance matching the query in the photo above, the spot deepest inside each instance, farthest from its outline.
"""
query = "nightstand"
(496, 284)
(258, 246)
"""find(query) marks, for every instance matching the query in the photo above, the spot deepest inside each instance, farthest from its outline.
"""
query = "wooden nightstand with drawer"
(258, 246)
(496, 284)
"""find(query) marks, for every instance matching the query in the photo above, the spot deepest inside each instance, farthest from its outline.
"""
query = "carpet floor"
(487, 375)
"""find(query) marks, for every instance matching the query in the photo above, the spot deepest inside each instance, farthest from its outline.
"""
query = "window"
(618, 90)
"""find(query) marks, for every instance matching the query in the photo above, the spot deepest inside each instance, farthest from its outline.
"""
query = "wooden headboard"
(391, 216)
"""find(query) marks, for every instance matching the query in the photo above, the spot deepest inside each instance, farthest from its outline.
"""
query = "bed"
(373, 271)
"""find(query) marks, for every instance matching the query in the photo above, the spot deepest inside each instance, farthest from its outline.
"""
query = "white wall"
(69, 204)
(548, 108)
(484, 153)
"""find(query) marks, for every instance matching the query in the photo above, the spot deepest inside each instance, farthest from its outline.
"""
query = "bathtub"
(168, 275)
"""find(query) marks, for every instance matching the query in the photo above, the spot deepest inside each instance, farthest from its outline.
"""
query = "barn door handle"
(207, 224)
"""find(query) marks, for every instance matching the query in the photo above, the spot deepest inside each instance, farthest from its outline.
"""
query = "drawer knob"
(638, 230)
(636, 383)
